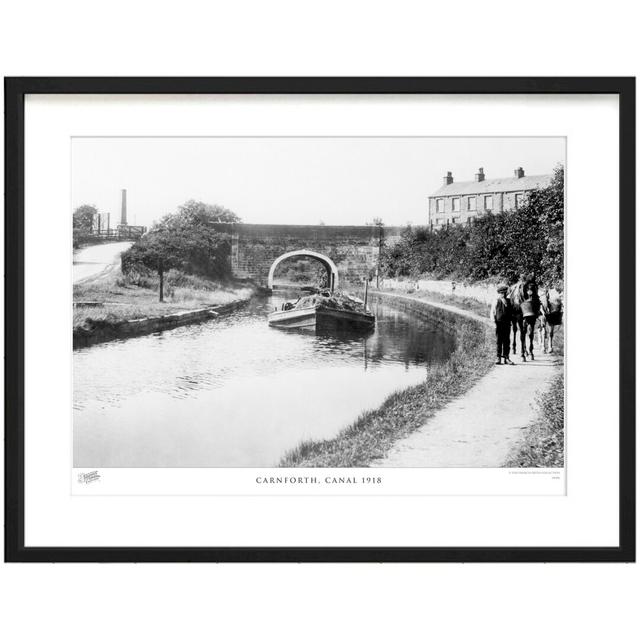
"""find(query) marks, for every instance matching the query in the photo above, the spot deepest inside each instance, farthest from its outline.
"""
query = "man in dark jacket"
(501, 312)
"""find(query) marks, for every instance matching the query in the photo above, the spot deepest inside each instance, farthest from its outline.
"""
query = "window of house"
(439, 221)
(455, 220)
(455, 204)
(439, 205)
(519, 200)
(488, 202)
(471, 203)
(470, 219)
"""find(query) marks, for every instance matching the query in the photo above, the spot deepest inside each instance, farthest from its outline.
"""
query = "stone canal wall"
(484, 293)
(103, 331)
(436, 312)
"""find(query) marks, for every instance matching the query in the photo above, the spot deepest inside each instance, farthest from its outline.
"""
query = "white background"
(586, 516)
(329, 38)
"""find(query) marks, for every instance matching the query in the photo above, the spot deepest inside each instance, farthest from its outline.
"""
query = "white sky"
(293, 180)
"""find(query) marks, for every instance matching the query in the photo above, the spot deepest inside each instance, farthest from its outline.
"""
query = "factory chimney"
(123, 210)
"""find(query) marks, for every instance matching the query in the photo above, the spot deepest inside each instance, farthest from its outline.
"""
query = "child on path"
(501, 312)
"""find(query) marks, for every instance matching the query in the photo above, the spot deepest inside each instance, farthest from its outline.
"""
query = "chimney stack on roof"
(519, 172)
(448, 179)
(480, 175)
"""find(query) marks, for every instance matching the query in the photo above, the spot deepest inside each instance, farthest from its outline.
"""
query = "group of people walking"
(519, 308)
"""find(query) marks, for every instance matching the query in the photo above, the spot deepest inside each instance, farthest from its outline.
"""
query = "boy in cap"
(501, 311)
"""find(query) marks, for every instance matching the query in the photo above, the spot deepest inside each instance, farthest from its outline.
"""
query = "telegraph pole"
(380, 237)
(379, 253)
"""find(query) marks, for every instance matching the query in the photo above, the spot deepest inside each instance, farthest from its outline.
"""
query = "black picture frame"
(15, 91)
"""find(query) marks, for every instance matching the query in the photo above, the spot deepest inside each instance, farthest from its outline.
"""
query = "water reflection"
(236, 392)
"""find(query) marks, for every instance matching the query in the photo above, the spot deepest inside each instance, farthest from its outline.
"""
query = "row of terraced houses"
(462, 202)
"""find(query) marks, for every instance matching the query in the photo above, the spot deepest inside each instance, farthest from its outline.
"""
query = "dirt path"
(479, 428)
(97, 261)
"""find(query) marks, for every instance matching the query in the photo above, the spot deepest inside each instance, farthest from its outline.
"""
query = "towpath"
(479, 428)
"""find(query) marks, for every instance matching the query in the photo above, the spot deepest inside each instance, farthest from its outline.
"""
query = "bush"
(178, 279)
(138, 277)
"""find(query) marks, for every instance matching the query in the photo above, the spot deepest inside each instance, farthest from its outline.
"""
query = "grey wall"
(354, 249)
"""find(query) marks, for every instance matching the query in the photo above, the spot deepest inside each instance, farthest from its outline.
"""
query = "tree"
(196, 212)
(83, 218)
(187, 240)
(156, 251)
(552, 217)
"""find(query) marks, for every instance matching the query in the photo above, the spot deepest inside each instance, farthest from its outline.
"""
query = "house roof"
(496, 185)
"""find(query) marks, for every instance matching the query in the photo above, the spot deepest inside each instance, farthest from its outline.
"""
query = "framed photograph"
(320, 319)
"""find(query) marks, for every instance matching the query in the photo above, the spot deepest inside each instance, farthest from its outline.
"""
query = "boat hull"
(319, 318)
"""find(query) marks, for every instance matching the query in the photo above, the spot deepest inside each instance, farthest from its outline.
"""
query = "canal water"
(234, 392)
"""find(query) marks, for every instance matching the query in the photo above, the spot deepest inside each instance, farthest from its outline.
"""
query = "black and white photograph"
(321, 302)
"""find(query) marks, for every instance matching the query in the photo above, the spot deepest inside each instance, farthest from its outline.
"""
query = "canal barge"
(323, 311)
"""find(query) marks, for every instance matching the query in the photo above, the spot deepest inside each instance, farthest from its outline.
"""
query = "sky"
(293, 180)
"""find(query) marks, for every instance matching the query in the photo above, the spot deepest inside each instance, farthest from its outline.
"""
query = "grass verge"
(543, 444)
(119, 299)
(375, 432)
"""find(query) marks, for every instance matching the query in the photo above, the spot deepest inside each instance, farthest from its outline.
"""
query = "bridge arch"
(328, 263)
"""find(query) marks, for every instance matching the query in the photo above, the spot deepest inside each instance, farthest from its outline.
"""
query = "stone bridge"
(349, 253)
